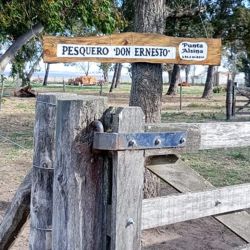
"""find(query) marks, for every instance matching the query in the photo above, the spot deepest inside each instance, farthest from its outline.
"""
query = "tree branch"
(184, 12)
(9, 55)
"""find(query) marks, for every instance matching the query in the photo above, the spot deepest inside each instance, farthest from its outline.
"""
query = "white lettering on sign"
(193, 51)
(145, 52)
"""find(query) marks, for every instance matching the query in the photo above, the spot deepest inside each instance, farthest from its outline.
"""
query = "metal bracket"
(138, 141)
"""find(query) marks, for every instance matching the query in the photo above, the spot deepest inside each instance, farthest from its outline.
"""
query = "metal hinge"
(138, 141)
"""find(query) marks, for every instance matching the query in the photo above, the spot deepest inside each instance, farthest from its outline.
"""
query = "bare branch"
(184, 12)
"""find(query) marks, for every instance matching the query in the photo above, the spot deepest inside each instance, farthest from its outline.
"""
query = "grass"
(192, 117)
(220, 167)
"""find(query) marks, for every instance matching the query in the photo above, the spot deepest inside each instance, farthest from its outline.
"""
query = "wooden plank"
(181, 177)
(242, 113)
(202, 136)
(185, 179)
(2, 90)
(224, 135)
(131, 39)
(238, 222)
(244, 247)
(127, 184)
(182, 207)
(42, 178)
(78, 180)
(229, 99)
(244, 101)
(17, 214)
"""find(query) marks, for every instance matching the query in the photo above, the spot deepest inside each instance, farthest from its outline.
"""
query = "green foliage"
(57, 16)
(189, 26)
(219, 89)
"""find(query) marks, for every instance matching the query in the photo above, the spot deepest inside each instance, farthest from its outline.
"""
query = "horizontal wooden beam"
(182, 207)
(244, 247)
(185, 179)
(133, 47)
(214, 135)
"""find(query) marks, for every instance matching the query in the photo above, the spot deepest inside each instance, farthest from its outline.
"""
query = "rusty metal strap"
(138, 141)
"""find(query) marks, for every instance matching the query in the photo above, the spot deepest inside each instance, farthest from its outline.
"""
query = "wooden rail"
(214, 135)
(182, 207)
(97, 197)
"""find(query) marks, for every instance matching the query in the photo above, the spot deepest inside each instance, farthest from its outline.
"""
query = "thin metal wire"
(48, 103)
(7, 139)
(41, 229)
(35, 166)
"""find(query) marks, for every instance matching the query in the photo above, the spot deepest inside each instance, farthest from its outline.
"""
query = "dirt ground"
(16, 123)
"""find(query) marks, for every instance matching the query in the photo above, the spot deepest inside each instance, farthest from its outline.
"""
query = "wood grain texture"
(225, 135)
(130, 39)
(180, 176)
(202, 136)
(17, 214)
(127, 184)
(177, 208)
(43, 174)
(185, 179)
(244, 247)
(78, 180)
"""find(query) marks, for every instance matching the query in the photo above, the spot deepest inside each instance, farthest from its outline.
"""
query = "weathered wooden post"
(42, 176)
(229, 100)
(2, 90)
(127, 183)
(78, 194)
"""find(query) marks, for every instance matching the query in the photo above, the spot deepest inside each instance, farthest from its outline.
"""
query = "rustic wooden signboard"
(133, 47)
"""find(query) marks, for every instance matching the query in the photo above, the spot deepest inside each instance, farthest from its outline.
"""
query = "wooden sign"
(133, 47)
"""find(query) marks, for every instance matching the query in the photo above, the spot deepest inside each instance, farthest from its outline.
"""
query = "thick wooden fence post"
(127, 184)
(78, 194)
(42, 176)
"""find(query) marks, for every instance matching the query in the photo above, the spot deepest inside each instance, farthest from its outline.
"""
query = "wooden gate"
(238, 100)
(88, 170)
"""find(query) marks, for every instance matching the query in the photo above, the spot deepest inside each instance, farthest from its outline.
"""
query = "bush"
(219, 89)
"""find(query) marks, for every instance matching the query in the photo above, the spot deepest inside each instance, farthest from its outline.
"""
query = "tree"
(105, 68)
(20, 21)
(172, 90)
(221, 22)
(26, 61)
(84, 66)
(45, 80)
(147, 81)
(116, 77)
(242, 43)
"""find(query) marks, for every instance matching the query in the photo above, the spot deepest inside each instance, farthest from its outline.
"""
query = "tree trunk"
(9, 55)
(45, 80)
(32, 69)
(105, 76)
(17, 214)
(147, 81)
(114, 78)
(118, 76)
(172, 90)
(170, 72)
(187, 71)
(208, 90)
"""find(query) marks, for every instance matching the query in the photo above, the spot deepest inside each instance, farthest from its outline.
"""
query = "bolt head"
(130, 221)
(182, 140)
(157, 141)
(131, 143)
